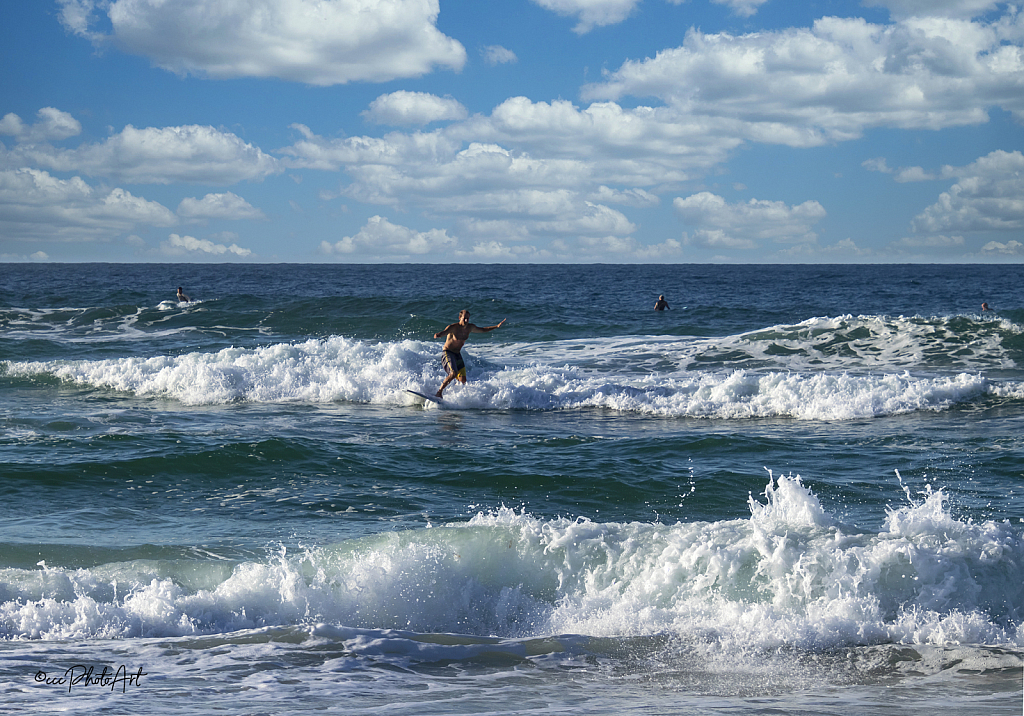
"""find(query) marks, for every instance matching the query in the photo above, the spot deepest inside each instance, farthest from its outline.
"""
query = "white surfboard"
(431, 398)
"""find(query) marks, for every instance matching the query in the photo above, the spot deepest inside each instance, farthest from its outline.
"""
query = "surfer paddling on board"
(456, 335)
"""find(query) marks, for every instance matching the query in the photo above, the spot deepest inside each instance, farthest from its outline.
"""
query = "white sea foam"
(604, 374)
(841, 343)
(90, 326)
(787, 575)
(883, 342)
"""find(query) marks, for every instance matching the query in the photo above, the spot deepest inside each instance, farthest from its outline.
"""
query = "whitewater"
(645, 374)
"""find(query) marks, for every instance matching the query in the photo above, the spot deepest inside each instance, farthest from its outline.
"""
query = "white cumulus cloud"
(627, 197)
(913, 174)
(19, 258)
(218, 206)
(742, 225)
(642, 146)
(877, 164)
(405, 108)
(484, 183)
(176, 245)
(380, 238)
(834, 80)
(156, 155)
(318, 42)
(998, 248)
(37, 205)
(497, 251)
(591, 13)
(52, 124)
(670, 249)
(987, 196)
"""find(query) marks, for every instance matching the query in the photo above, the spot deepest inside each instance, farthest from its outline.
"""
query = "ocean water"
(798, 491)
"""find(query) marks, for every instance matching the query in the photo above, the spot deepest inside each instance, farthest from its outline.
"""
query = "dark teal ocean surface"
(799, 490)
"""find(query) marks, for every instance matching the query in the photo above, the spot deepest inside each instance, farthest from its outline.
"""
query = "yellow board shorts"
(453, 363)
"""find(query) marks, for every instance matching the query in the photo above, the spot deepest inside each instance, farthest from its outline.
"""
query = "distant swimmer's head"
(660, 298)
(984, 307)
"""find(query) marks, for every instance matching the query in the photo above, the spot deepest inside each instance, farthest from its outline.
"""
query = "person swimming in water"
(456, 335)
(182, 298)
(661, 304)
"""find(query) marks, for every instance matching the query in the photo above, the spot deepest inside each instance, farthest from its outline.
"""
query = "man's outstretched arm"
(488, 329)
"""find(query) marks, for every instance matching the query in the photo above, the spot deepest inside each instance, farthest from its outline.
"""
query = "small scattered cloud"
(903, 174)
(404, 108)
(52, 125)
(37, 256)
(878, 164)
(218, 206)
(628, 197)
(717, 239)
(1009, 248)
(498, 55)
(608, 244)
(668, 250)
(179, 246)
(497, 251)
(591, 13)
(490, 251)
(623, 248)
(912, 174)
(842, 250)
(741, 8)
(917, 243)
(508, 229)
(379, 237)
(846, 247)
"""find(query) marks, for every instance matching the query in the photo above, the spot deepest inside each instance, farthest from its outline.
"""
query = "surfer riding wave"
(456, 335)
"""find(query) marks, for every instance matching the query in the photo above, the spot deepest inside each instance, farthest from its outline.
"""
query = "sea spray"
(342, 369)
(789, 574)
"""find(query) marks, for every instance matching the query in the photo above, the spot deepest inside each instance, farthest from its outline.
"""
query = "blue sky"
(534, 131)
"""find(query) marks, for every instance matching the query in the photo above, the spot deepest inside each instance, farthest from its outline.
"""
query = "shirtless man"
(457, 335)
(182, 298)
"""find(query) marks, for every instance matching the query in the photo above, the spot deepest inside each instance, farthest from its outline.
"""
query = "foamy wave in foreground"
(341, 369)
(787, 575)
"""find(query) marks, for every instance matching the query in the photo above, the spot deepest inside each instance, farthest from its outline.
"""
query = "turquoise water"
(798, 490)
